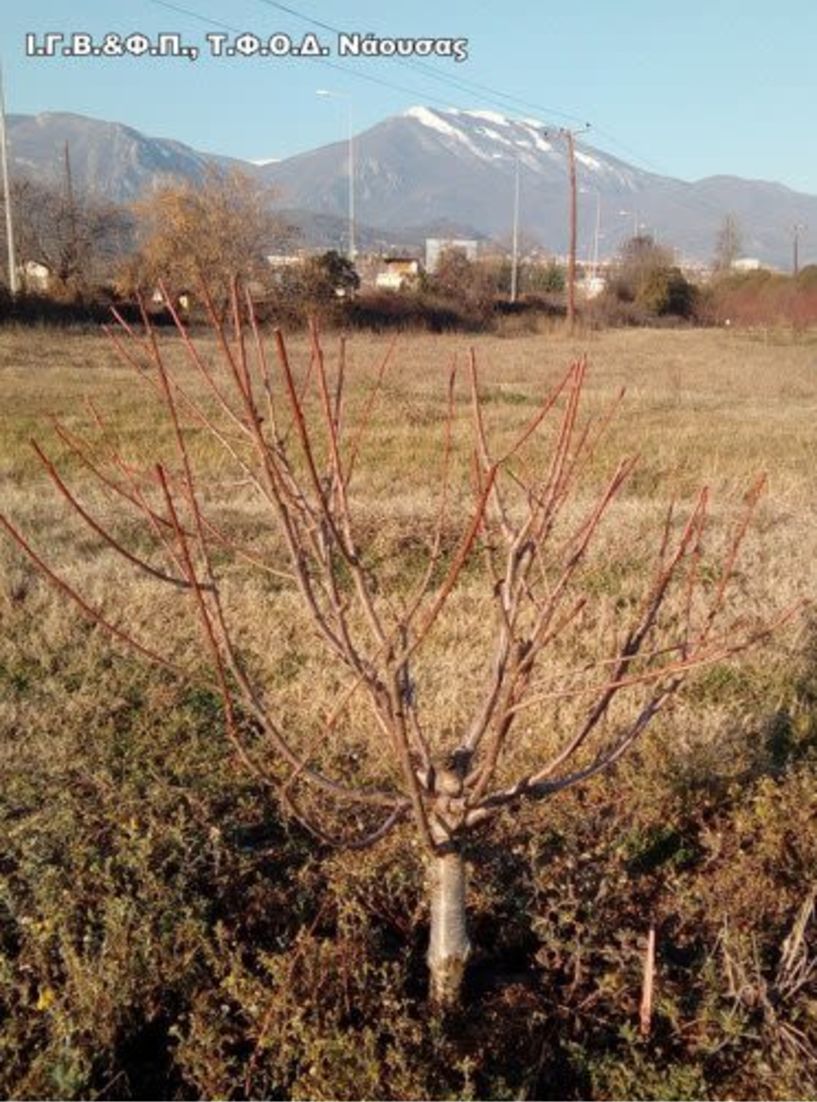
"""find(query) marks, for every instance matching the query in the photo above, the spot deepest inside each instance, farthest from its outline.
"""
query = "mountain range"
(431, 172)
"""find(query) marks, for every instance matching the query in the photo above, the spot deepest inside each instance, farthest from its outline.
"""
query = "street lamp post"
(515, 238)
(596, 235)
(12, 263)
(350, 164)
(637, 226)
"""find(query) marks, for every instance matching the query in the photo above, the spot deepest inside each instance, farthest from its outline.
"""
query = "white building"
(746, 264)
(36, 276)
(398, 272)
(436, 246)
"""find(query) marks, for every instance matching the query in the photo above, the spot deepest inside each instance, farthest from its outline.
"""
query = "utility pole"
(515, 259)
(72, 210)
(569, 136)
(798, 226)
(69, 184)
(12, 262)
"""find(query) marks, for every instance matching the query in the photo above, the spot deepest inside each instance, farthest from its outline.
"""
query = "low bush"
(407, 310)
(763, 298)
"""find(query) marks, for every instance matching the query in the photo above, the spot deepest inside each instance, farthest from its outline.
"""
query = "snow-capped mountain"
(495, 138)
(430, 165)
(431, 172)
(455, 165)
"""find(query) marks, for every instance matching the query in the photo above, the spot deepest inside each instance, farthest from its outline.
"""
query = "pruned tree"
(517, 527)
(213, 232)
(646, 275)
(78, 238)
(639, 258)
(327, 277)
(463, 281)
(728, 244)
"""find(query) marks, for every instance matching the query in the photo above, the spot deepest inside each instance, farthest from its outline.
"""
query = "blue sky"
(688, 90)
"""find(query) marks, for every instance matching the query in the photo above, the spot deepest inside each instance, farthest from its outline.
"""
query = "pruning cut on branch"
(524, 535)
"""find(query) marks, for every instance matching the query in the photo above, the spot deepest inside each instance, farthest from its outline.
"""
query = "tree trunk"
(449, 947)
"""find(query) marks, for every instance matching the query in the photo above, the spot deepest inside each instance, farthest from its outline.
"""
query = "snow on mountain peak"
(518, 137)
(488, 116)
(588, 161)
(494, 135)
(538, 141)
(431, 119)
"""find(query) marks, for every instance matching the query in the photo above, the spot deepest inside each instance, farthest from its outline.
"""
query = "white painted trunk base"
(449, 947)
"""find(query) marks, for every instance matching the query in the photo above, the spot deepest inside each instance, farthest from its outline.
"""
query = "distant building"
(397, 272)
(746, 264)
(36, 276)
(591, 286)
(436, 246)
(181, 301)
(284, 260)
(282, 264)
(697, 271)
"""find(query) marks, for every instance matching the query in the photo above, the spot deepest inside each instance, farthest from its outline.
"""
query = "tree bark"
(449, 947)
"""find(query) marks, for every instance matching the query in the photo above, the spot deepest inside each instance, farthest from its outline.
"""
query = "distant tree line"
(80, 253)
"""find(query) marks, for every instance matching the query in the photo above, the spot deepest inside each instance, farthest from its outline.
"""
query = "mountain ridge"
(429, 166)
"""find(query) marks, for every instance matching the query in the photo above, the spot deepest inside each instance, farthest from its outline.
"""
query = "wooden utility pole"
(569, 136)
(72, 209)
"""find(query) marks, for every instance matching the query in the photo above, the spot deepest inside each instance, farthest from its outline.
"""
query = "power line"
(495, 94)
(471, 86)
(317, 60)
(460, 83)
(491, 98)
(454, 82)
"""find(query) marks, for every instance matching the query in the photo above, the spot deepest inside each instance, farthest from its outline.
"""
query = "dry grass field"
(164, 933)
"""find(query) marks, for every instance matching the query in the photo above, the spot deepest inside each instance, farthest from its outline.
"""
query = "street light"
(637, 226)
(515, 236)
(597, 234)
(325, 92)
(7, 195)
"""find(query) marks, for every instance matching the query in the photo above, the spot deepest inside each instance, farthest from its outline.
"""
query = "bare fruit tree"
(78, 239)
(516, 527)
